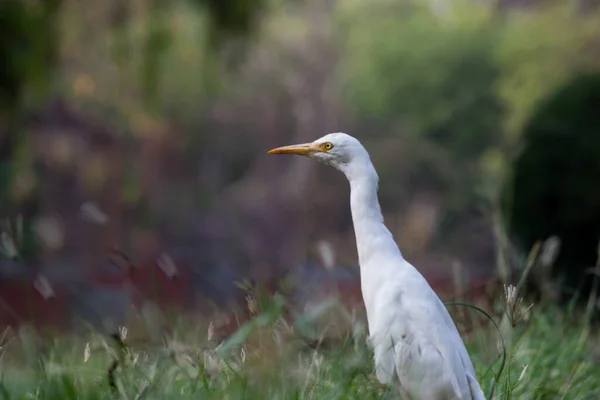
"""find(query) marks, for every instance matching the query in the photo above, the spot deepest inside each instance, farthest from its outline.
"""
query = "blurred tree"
(28, 52)
(433, 75)
(453, 82)
(554, 187)
(29, 46)
(540, 50)
(232, 17)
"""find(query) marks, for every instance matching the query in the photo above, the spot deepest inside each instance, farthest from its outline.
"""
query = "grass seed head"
(86, 352)
(515, 311)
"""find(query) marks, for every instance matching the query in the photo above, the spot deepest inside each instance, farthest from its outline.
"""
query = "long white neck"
(372, 236)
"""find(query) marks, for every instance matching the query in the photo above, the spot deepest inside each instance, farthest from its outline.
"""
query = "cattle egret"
(411, 332)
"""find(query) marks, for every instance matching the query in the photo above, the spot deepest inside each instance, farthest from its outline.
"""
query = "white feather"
(414, 339)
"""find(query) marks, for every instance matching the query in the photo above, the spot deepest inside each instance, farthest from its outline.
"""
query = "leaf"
(4, 391)
(236, 340)
(304, 323)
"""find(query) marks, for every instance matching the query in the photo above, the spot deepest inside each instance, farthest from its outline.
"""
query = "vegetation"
(560, 150)
(551, 355)
(174, 103)
(445, 91)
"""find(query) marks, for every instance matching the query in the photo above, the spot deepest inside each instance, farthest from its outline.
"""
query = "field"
(143, 127)
(551, 353)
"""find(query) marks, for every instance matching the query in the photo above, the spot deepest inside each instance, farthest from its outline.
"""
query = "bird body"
(414, 339)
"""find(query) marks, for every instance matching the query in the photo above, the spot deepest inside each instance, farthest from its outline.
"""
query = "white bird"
(412, 334)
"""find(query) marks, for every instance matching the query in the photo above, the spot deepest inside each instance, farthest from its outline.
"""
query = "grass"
(551, 354)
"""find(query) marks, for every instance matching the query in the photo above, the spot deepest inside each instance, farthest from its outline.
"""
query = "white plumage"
(416, 344)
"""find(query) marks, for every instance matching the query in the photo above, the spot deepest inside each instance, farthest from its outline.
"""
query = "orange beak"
(299, 149)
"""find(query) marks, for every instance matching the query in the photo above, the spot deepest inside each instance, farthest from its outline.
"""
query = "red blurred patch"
(30, 302)
(165, 281)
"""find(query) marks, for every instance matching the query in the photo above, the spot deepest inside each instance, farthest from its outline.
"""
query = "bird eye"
(328, 146)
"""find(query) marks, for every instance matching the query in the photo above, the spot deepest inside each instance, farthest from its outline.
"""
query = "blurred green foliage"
(459, 82)
(554, 190)
(539, 51)
(27, 48)
(30, 44)
(28, 52)
(445, 87)
(233, 17)
(432, 80)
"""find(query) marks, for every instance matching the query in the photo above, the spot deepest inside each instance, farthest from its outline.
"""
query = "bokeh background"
(133, 139)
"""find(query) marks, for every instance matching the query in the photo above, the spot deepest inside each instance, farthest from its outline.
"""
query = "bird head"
(339, 150)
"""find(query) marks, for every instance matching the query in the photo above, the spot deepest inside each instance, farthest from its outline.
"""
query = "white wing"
(414, 336)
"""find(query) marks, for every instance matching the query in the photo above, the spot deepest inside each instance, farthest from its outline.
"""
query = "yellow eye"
(328, 146)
